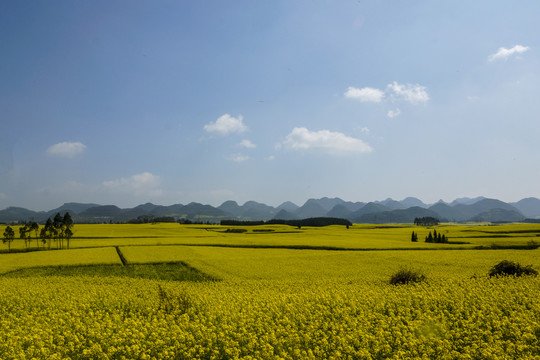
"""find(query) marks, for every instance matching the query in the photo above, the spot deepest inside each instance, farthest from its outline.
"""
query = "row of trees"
(431, 238)
(58, 230)
(316, 222)
(426, 221)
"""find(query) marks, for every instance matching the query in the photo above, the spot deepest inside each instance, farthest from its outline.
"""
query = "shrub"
(406, 276)
(169, 303)
(506, 267)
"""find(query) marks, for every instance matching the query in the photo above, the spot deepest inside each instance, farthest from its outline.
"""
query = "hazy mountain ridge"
(386, 211)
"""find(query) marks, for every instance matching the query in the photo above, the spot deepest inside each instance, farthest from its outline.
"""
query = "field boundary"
(121, 256)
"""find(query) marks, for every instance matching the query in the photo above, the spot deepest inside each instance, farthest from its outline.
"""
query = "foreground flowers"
(117, 318)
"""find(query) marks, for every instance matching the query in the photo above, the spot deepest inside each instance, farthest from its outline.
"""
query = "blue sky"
(127, 102)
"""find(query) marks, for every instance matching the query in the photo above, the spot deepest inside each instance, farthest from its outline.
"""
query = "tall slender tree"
(58, 224)
(68, 225)
(33, 226)
(9, 236)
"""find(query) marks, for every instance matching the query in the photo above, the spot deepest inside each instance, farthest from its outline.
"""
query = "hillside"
(386, 211)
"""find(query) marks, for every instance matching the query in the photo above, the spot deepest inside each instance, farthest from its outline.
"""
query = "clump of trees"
(414, 237)
(436, 237)
(407, 276)
(58, 230)
(146, 219)
(315, 222)
(426, 221)
(511, 268)
(9, 236)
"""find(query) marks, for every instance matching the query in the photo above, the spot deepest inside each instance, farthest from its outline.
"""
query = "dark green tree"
(9, 236)
(68, 225)
(58, 224)
(24, 234)
(33, 226)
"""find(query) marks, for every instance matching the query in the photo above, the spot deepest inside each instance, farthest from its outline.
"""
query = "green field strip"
(170, 271)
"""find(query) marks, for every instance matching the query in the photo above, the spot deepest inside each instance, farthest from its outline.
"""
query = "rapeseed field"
(287, 293)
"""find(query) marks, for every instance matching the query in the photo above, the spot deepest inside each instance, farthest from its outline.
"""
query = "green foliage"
(236, 231)
(426, 221)
(511, 268)
(436, 238)
(317, 221)
(170, 271)
(9, 236)
(407, 276)
(177, 304)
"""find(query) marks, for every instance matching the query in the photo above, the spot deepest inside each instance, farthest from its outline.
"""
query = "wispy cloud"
(366, 94)
(413, 94)
(393, 113)
(238, 158)
(504, 53)
(226, 124)
(247, 144)
(66, 149)
(301, 138)
(144, 183)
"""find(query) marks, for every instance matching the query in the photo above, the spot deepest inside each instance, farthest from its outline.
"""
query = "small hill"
(530, 207)
(448, 212)
(498, 215)
(412, 201)
(73, 207)
(288, 206)
(231, 207)
(340, 211)
(310, 209)
(195, 210)
(14, 214)
(284, 215)
(466, 200)
(369, 208)
(392, 204)
(396, 216)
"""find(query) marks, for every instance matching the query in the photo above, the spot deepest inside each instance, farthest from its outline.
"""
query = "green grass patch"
(172, 271)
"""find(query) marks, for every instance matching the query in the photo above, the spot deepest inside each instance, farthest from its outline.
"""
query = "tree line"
(316, 222)
(426, 221)
(431, 238)
(58, 230)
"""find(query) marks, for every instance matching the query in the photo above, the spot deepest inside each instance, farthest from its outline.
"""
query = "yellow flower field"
(89, 318)
(274, 303)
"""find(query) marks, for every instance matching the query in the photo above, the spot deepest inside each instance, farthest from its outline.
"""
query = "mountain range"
(478, 209)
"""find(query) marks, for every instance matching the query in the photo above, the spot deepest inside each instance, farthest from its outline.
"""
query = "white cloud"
(66, 149)
(394, 113)
(145, 183)
(238, 158)
(504, 53)
(365, 130)
(366, 94)
(247, 144)
(3, 196)
(226, 124)
(412, 93)
(271, 158)
(301, 138)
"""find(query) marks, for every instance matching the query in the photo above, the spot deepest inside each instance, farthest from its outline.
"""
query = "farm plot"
(287, 264)
(10, 262)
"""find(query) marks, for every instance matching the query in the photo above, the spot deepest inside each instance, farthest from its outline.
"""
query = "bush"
(406, 276)
(169, 303)
(506, 268)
